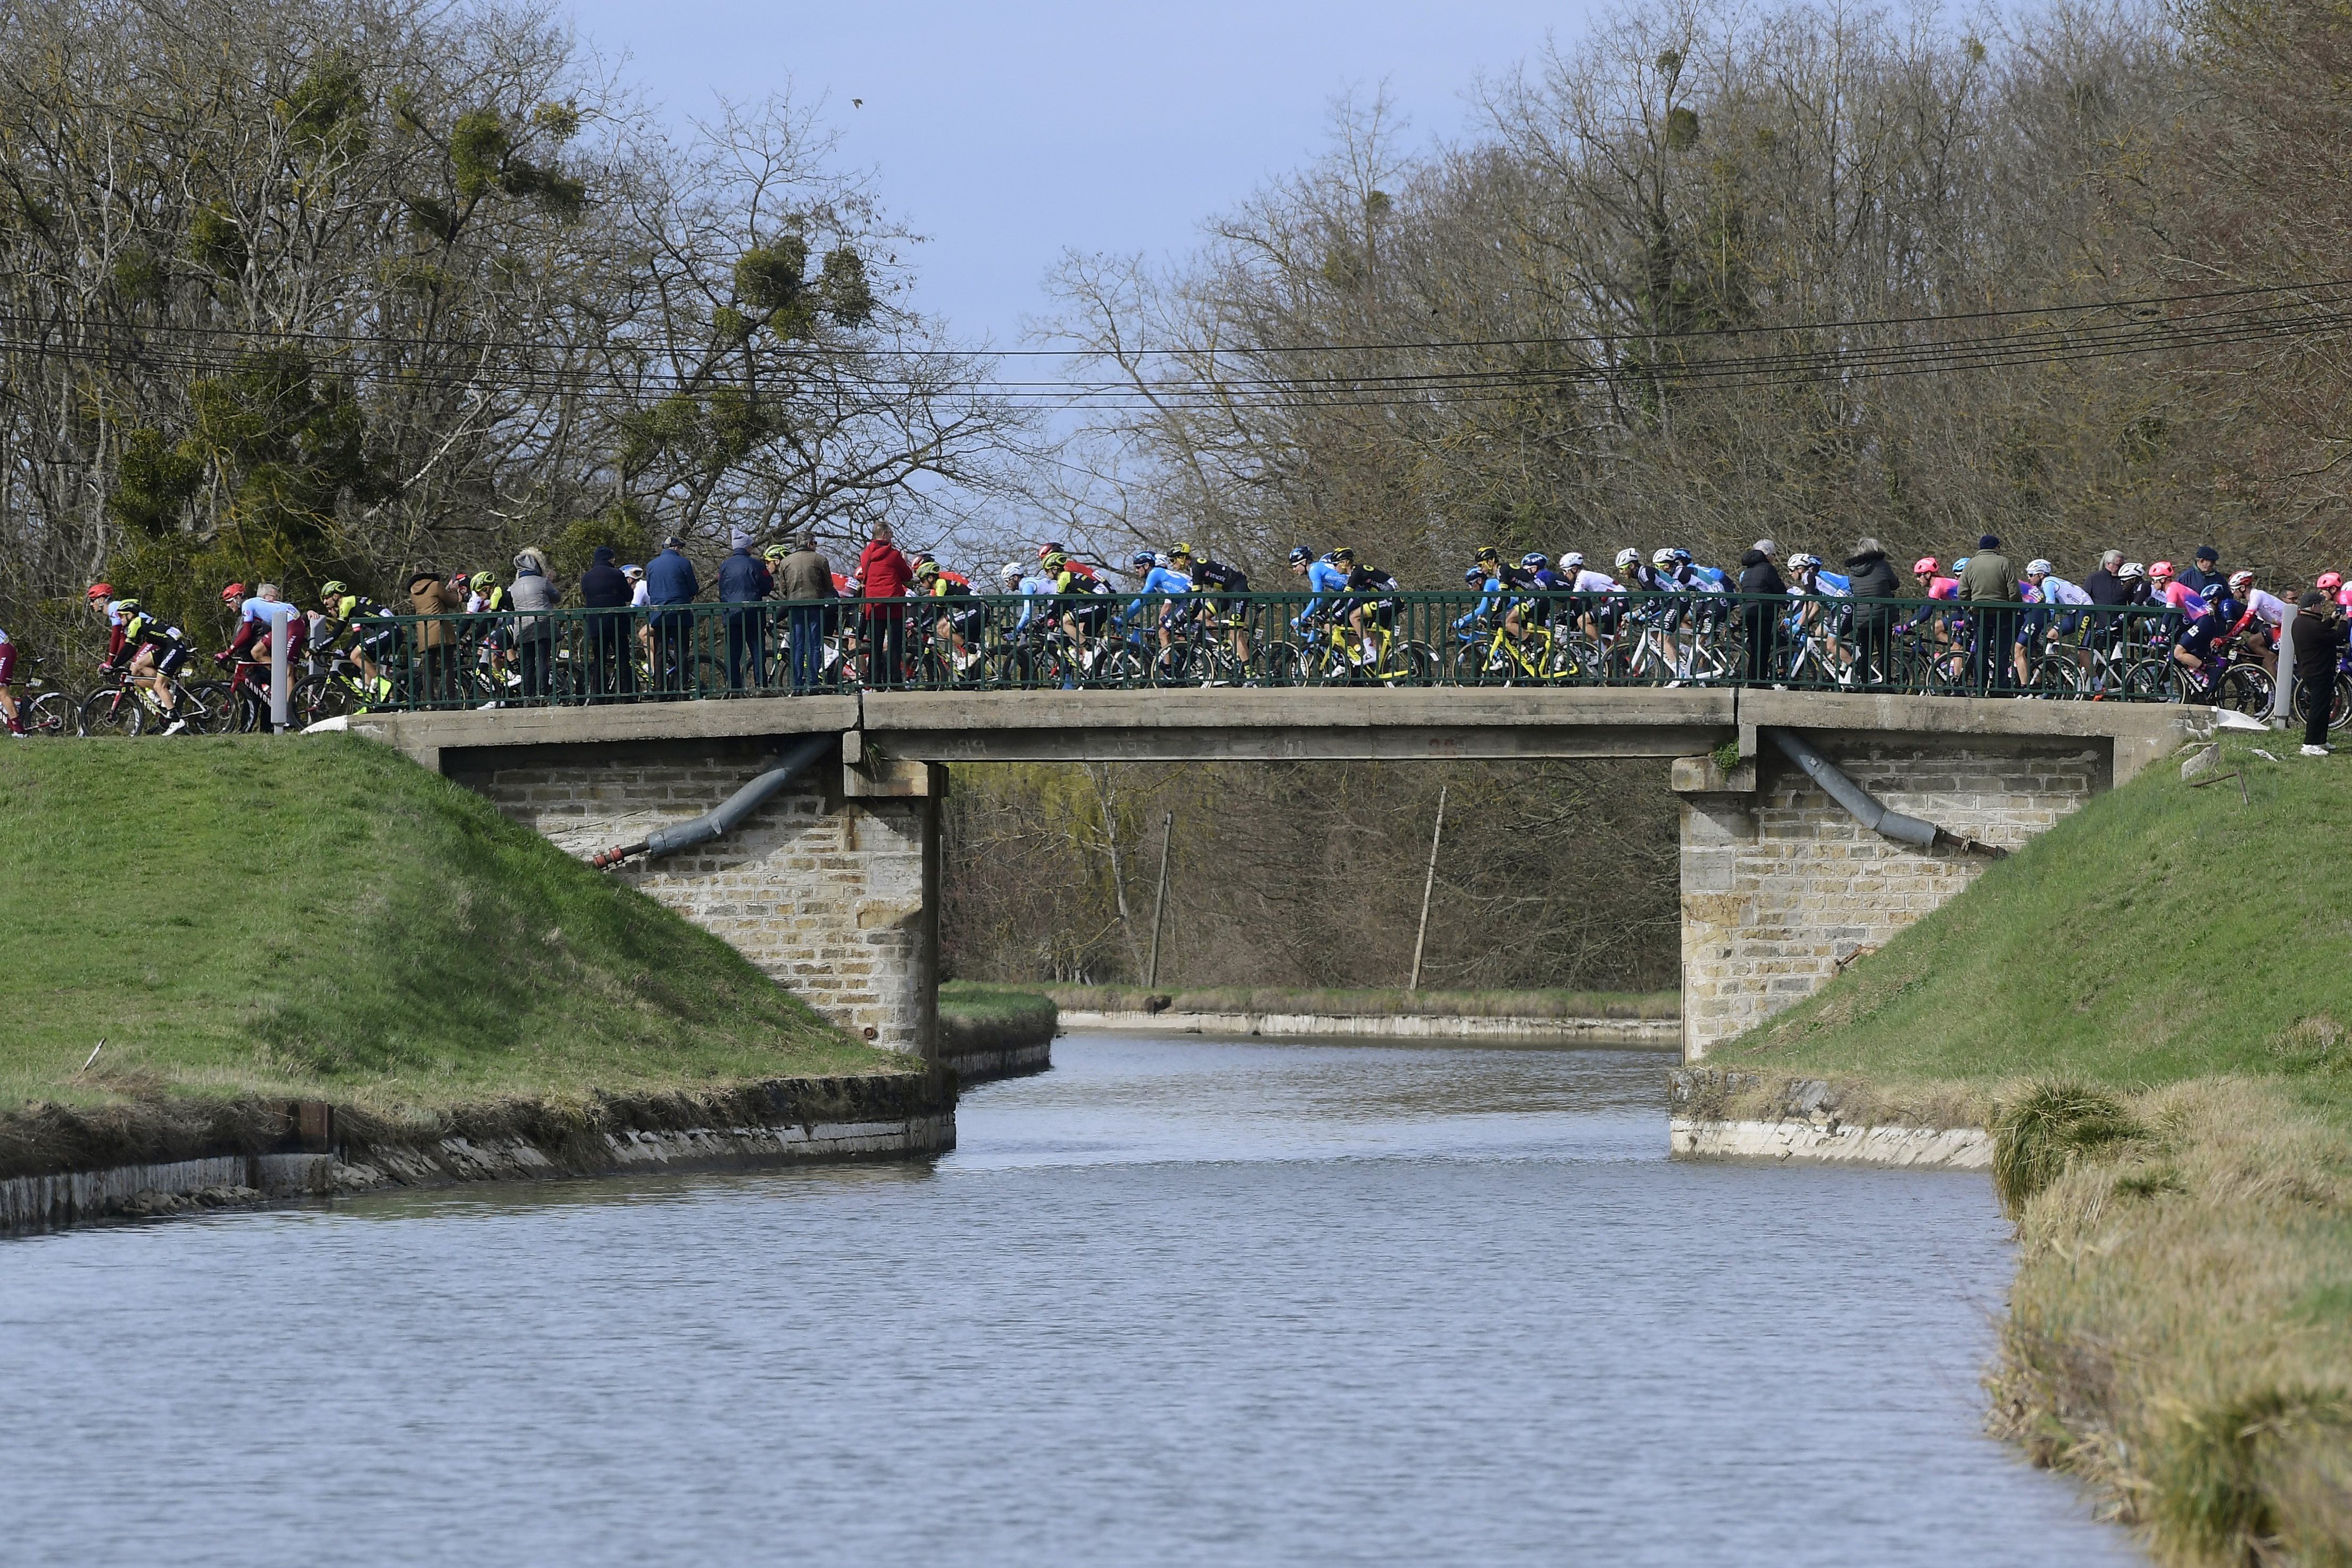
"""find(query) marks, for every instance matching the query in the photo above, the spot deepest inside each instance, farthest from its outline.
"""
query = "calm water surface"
(1177, 1301)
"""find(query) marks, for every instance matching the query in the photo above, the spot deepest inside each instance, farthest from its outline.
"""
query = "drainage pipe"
(711, 825)
(1868, 810)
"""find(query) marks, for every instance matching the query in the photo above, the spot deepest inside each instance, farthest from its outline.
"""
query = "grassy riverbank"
(1370, 1003)
(978, 1016)
(2150, 1004)
(318, 918)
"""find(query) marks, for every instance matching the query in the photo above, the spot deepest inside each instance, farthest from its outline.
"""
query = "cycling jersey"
(1489, 605)
(1216, 575)
(1162, 580)
(949, 584)
(1827, 584)
(144, 629)
(2267, 607)
(259, 609)
(1035, 588)
(1323, 577)
(2203, 633)
(7, 662)
(2058, 590)
(1704, 578)
(2179, 595)
(1590, 582)
(1944, 587)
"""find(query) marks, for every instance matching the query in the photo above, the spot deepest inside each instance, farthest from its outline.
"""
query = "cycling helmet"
(1488, 552)
(1961, 564)
(2130, 571)
(1924, 566)
(927, 567)
(1800, 561)
(1342, 554)
(1665, 559)
(1682, 556)
(232, 593)
(2037, 567)
(775, 552)
(1055, 562)
(633, 572)
(1628, 558)
(1010, 571)
(1180, 552)
(1572, 561)
(481, 582)
(2161, 571)
(1535, 560)
(2329, 582)
(1472, 575)
(2241, 579)
(329, 590)
(99, 590)
(1051, 547)
(1300, 555)
(1144, 560)
(126, 605)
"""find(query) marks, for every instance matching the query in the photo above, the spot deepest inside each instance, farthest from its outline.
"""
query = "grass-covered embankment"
(2151, 1004)
(1368, 1003)
(315, 917)
(978, 1016)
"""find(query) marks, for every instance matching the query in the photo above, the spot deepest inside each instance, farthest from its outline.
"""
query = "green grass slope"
(2161, 933)
(316, 916)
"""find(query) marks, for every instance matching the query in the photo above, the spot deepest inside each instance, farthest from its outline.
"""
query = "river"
(1177, 1301)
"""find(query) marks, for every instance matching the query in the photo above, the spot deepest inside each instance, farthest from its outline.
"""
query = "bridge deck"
(1296, 724)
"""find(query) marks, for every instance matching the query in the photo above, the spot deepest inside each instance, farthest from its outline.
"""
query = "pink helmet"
(2329, 582)
(2160, 571)
(1924, 566)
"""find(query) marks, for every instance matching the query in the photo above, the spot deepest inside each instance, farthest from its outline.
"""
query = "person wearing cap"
(606, 589)
(2319, 635)
(1988, 586)
(744, 583)
(1761, 588)
(2206, 576)
(671, 587)
(804, 581)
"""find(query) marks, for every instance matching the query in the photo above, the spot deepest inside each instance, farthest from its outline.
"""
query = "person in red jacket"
(887, 576)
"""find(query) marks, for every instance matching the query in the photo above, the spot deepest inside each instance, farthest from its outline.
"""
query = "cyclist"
(101, 598)
(1083, 597)
(1588, 591)
(343, 615)
(1373, 592)
(150, 656)
(2268, 610)
(1323, 576)
(1165, 576)
(959, 623)
(8, 708)
(1223, 584)
(2061, 616)
(248, 653)
(2201, 646)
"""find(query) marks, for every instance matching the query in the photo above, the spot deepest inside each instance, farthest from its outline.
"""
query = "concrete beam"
(2142, 733)
(426, 736)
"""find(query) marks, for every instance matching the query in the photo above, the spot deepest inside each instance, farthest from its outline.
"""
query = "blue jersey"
(1324, 577)
(1036, 589)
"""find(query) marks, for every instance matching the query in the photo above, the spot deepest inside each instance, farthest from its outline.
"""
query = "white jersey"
(1590, 582)
(2267, 607)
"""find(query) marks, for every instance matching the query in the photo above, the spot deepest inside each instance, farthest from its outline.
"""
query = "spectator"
(670, 584)
(744, 580)
(1871, 577)
(2104, 586)
(803, 581)
(534, 632)
(1990, 581)
(2206, 577)
(1759, 576)
(2319, 636)
(887, 576)
(436, 639)
(612, 665)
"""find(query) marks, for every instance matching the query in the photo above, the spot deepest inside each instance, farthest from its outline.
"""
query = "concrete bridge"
(832, 884)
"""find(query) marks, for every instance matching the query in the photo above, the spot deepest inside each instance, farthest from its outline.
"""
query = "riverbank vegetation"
(1341, 1003)
(2148, 1003)
(318, 918)
(979, 1018)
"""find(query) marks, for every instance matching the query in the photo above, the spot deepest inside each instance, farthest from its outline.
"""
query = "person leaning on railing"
(604, 592)
(886, 575)
(534, 593)
(803, 579)
(1761, 589)
(1989, 579)
(744, 584)
(436, 639)
(670, 588)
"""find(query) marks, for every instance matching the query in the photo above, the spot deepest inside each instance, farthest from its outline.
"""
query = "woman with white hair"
(534, 633)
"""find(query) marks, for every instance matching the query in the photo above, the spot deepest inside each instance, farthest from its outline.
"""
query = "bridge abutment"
(831, 886)
(1782, 888)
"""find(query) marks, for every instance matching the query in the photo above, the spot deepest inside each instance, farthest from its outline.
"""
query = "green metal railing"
(1079, 642)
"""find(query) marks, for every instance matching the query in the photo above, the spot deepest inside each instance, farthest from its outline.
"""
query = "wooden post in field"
(1427, 884)
(1160, 905)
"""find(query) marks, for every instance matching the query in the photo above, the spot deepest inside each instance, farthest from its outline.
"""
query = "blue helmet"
(1473, 574)
(1535, 560)
(1300, 555)
(1146, 559)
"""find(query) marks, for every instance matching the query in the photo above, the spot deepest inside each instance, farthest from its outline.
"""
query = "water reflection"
(1177, 1301)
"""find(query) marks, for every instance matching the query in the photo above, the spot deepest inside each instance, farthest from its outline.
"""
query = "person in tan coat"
(436, 640)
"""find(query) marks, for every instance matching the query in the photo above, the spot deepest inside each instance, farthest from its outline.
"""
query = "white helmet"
(1627, 558)
(2131, 571)
(1010, 571)
(1803, 561)
(2037, 567)
(1665, 559)
(1571, 560)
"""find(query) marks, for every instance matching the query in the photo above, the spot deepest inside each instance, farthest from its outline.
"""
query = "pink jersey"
(1944, 587)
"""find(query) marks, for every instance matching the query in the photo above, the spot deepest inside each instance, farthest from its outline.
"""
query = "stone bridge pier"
(832, 885)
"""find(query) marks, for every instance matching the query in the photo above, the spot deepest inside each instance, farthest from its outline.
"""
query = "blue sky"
(1005, 133)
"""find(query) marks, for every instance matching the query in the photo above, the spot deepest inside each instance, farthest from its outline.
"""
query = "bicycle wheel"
(113, 711)
(1277, 664)
(207, 703)
(2245, 688)
(1473, 664)
(2149, 681)
(48, 715)
(1173, 666)
(323, 698)
(1413, 665)
(2055, 675)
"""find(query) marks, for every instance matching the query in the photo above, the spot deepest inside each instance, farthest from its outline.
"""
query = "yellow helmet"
(481, 581)
(1181, 552)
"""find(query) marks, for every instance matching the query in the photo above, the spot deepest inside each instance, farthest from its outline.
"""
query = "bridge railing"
(1081, 642)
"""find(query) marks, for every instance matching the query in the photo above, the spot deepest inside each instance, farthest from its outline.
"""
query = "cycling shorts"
(1382, 611)
(1090, 615)
(7, 664)
(164, 657)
